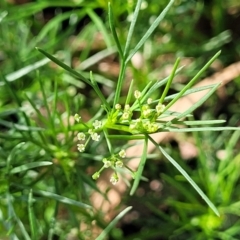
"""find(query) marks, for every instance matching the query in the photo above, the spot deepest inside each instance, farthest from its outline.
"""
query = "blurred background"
(38, 100)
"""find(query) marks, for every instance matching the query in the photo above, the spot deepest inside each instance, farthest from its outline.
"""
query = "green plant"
(144, 116)
(49, 134)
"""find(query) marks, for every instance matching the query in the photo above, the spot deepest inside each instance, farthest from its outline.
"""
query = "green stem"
(119, 83)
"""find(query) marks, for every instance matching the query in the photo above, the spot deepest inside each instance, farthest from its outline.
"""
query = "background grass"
(46, 184)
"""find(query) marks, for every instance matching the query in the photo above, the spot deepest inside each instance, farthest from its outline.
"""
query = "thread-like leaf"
(141, 165)
(104, 233)
(188, 178)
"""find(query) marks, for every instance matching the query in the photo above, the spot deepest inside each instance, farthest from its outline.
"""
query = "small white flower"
(122, 153)
(118, 106)
(137, 94)
(81, 136)
(95, 137)
(107, 163)
(160, 108)
(77, 117)
(119, 163)
(114, 179)
(149, 101)
(97, 124)
(81, 147)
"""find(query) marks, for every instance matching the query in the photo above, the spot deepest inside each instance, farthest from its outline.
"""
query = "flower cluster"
(91, 133)
(144, 120)
(115, 161)
(146, 123)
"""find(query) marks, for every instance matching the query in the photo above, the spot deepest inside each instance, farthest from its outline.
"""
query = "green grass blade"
(38, 113)
(28, 166)
(13, 217)
(19, 127)
(188, 178)
(141, 165)
(90, 61)
(100, 25)
(154, 25)
(103, 235)
(112, 28)
(61, 199)
(29, 9)
(193, 80)
(12, 155)
(64, 66)
(32, 218)
(55, 22)
(24, 71)
(131, 28)
(200, 102)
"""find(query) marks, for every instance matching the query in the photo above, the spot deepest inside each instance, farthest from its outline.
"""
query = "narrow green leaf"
(127, 137)
(64, 66)
(169, 82)
(188, 178)
(61, 199)
(32, 218)
(131, 28)
(112, 28)
(29, 9)
(201, 122)
(199, 129)
(190, 91)
(19, 127)
(55, 22)
(99, 93)
(24, 71)
(12, 155)
(15, 220)
(200, 102)
(95, 58)
(105, 232)
(100, 25)
(130, 91)
(154, 25)
(141, 165)
(38, 113)
(28, 166)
